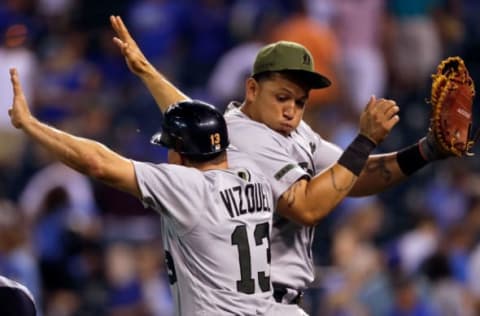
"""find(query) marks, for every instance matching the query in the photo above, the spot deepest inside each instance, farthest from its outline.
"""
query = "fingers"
(17, 88)
(115, 25)
(379, 117)
(120, 28)
(124, 48)
(113, 22)
(370, 103)
(121, 44)
(388, 109)
(392, 110)
(392, 122)
(384, 107)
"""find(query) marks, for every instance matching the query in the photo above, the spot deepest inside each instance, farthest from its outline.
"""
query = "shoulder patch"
(244, 174)
(284, 171)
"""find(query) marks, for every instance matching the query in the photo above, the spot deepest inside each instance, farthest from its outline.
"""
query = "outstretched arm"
(163, 91)
(384, 171)
(380, 173)
(448, 135)
(84, 155)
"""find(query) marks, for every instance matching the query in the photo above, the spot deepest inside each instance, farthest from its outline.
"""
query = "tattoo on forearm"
(336, 186)
(379, 166)
(290, 194)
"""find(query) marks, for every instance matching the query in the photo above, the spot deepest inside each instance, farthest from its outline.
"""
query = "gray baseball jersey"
(284, 160)
(216, 227)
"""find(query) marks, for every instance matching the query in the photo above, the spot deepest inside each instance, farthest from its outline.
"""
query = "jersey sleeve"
(269, 153)
(170, 190)
(326, 154)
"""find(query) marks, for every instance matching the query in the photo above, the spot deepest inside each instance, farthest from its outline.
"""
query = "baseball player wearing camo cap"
(216, 205)
(15, 299)
(308, 174)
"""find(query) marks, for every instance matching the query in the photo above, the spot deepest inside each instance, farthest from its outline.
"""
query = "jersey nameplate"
(250, 199)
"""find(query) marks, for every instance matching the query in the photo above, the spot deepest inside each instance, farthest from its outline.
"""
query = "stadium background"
(85, 249)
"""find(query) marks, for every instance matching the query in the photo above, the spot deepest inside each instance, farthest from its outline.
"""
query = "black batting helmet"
(15, 299)
(194, 129)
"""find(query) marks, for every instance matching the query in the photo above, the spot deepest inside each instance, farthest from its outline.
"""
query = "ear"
(251, 89)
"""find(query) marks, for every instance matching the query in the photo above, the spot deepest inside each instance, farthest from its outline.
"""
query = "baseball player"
(15, 299)
(309, 175)
(216, 215)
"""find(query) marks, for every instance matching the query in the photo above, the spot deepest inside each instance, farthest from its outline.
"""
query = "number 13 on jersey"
(239, 238)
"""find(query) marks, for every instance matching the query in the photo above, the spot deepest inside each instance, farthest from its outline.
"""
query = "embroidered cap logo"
(306, 59)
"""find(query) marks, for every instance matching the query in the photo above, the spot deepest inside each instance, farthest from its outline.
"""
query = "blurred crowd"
(85, 249)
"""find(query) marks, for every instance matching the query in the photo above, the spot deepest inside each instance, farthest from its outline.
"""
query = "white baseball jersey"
(284, 160)
(216, 228)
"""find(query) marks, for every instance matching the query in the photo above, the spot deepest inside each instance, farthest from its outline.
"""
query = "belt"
(287, 296)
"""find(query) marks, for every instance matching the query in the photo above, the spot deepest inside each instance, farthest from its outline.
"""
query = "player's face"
(277, 102)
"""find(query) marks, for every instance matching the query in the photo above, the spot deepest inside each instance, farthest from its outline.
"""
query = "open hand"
(136, 61)
(378, 119)
(19, 112)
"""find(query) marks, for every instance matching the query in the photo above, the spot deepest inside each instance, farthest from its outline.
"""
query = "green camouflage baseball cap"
(289, 56)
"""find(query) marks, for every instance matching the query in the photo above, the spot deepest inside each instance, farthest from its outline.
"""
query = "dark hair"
(292, 75)
(266, 75)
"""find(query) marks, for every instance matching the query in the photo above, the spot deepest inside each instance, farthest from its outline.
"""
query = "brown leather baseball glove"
(452, 97)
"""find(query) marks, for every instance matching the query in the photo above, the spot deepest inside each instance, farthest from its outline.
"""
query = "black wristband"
(356, 154)
(410, 159)
(429, 149)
